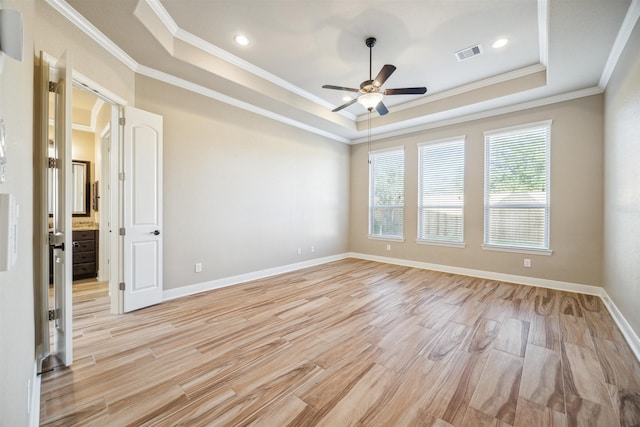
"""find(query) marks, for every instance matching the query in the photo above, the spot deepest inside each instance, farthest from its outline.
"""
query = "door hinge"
(53, 163)
(122, 121)
(53, 314)
(122, 231)
(121, 287)
(53, 86)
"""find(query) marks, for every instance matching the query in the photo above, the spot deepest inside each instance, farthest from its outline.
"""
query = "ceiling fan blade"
(349, 89)
(383, 75)
(406, 91)
(345, 105)
(381, 108)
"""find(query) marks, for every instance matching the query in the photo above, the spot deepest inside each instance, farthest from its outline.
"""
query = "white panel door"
(142, 209)
(63, 252)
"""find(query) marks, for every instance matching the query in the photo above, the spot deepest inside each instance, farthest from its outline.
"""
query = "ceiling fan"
(370, 91)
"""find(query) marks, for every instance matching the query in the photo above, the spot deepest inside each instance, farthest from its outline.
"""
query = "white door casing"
(142, 240)
(63, 255)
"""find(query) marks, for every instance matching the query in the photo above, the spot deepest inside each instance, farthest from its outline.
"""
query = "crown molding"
(445, 118)
(89, 29)
(210, 93)
(543, 31)
(199, 43)
(629, 22)
(479, 84)
(415, 126)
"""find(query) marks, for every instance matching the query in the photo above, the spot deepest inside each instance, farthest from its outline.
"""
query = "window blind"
(517, 188)
(441, 191)
(386, 193)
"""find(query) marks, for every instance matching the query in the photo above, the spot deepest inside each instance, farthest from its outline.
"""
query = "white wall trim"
(183, 291)
(414, 125)
(89, 29)
(210, 93)
(629, 22)
(479, 84)
(419, 124)
(34, 398)
(618, 317)
(625, 328)
(492, 275)
(616, 314)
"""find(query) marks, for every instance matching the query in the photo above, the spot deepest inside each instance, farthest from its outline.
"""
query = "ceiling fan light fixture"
(370, 100)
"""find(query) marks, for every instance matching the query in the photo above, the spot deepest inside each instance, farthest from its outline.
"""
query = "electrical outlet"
(527, 262)
(313, 249)
(299, 251)
(388, 247)
(198, 267)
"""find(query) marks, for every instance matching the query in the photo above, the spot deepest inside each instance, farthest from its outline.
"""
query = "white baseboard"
(34, 398)
(170, 294)
(625, 328)
(491, 275)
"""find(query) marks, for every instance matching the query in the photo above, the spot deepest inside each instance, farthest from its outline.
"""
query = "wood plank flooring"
(351, 342)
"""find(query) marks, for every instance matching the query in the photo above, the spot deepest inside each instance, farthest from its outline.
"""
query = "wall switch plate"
(9, 211)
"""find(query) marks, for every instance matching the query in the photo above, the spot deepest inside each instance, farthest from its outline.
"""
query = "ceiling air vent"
(468, 52)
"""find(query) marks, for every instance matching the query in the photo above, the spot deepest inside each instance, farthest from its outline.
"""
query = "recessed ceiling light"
(499, 43)
(241, 40)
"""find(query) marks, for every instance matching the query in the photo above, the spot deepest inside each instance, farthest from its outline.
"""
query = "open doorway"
(106, 210)
(73, 156)
(90, 205)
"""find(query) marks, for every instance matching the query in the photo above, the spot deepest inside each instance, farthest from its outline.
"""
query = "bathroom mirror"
(80, 188)
(80, 175)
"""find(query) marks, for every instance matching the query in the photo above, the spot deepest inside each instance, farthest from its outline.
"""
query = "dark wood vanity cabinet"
(85, 254)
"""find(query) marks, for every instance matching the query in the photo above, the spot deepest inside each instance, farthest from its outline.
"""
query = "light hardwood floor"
(348, 343)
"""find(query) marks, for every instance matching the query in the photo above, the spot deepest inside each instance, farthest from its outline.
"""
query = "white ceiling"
(558, 49)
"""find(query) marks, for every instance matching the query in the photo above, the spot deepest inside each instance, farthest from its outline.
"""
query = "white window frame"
(425, 170)
(371, 233)
(488, 244)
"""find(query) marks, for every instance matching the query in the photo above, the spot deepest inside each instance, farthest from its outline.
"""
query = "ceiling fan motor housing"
(368, 86)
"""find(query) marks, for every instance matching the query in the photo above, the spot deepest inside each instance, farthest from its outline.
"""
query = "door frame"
(116, 195)
(115, 188)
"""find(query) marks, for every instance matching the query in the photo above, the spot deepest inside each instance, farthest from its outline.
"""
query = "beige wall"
(576, 196)
(16, 285)
(242, 192)
(622, 184)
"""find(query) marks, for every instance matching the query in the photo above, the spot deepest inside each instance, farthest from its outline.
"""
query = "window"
(516, 187)
(386, 193)
(441, 191)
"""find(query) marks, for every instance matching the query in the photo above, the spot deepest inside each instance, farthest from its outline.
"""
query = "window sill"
(438, 243)
(386, 238)
(517, 250)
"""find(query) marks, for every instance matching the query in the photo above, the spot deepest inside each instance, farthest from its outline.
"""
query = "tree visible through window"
(386, 193)
(517, 187)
